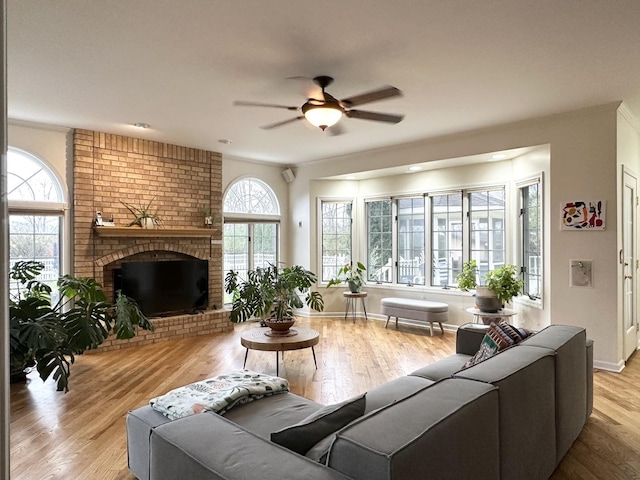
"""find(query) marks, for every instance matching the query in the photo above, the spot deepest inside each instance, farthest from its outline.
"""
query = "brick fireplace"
(180, 182)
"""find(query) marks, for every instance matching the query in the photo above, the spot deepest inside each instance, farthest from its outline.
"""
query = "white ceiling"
(179, 65)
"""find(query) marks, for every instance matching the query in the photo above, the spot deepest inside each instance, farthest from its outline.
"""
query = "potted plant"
(46, 335)
(144, 217)
(501, 285)
(353, 276)
(272, 292)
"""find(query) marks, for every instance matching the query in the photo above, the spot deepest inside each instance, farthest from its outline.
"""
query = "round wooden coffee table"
(257, 339)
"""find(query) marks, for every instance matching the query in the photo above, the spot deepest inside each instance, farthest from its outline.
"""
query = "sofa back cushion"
(572, 393)
(525, 377)
(448, 430)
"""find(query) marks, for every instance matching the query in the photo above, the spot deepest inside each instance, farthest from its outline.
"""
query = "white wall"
(582, 166)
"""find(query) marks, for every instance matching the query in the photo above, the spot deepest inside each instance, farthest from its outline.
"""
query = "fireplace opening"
(167, 287)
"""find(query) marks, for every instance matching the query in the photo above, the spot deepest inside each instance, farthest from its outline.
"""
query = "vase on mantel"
(147, 222)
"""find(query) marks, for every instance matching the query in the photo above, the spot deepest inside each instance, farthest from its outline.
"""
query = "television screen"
(166, 287)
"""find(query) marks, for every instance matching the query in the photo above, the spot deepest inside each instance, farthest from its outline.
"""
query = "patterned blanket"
(218, 394)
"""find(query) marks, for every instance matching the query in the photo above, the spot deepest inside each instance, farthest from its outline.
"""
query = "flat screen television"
(166, 287)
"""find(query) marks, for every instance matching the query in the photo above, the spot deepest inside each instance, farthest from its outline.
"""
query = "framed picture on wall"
(583, 215)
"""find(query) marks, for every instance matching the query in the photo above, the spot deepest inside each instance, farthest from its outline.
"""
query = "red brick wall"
(180, 182)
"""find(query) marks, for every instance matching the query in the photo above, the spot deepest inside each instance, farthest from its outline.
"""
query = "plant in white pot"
(144, 217)
(272, 293)
(501, 285)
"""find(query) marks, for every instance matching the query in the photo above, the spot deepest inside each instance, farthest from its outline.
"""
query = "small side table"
(352, 299)
(487, 318)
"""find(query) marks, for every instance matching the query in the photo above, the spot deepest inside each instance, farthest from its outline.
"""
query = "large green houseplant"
(46, 334)
(500, 285)
(272, 293)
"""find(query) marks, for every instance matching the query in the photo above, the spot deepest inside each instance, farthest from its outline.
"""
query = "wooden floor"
(81, 435)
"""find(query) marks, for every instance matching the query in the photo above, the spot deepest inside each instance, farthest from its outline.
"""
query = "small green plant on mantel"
(144, 217)
(353, 276)
(47, 335)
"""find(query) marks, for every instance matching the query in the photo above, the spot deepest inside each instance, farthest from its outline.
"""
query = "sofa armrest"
(210, 447)
(469, 337)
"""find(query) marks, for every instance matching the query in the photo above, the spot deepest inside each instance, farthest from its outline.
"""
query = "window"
(531, 238)
(336, 237)
(446, 237)
(486, 229)
(36, 213)
(411, 241)
(251, 227)
(379, 241)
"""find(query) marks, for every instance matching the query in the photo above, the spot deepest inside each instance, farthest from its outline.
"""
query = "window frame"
(536, 301)
(320, 222)
(40, 208)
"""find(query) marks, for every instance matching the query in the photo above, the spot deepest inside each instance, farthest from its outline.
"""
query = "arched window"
(36, 213)
(251, 226)
(251, 196)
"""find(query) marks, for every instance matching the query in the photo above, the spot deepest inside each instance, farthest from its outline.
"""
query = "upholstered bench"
(420, 310)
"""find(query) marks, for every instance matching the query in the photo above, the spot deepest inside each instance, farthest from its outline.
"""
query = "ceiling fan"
(327, 111)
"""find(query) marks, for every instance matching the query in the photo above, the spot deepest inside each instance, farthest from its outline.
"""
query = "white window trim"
(354, 222)
(525, 182)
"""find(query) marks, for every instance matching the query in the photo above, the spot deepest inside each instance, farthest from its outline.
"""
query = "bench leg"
(441, 328)
(431, 328)
(388, 318)
(396, 323)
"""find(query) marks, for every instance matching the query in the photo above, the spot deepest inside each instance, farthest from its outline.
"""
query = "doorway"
(628, 260)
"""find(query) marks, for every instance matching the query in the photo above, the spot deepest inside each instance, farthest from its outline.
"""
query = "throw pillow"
(309, 431)
(500, 336)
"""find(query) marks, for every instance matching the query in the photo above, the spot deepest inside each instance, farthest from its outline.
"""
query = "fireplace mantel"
(137, 232)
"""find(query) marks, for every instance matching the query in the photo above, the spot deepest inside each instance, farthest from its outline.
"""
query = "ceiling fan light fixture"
(322, 116)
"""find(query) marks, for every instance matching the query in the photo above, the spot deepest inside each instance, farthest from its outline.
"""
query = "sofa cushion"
(309, 431)
(448, 430)
(525, 377)
(443, 368)
(272, 413)
(394, 390)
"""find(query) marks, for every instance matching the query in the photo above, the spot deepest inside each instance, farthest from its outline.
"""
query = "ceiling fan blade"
(241, 103)
(284, 122)
(377, 117)
(372, 96)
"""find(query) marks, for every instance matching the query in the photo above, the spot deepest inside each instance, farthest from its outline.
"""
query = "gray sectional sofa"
(513, 416)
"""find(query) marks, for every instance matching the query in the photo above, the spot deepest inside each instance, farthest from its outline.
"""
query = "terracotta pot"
(279, 327)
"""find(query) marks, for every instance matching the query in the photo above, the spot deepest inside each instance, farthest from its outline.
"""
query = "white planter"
(147, 223)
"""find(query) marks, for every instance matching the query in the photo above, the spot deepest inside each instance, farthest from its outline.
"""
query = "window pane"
(379, 238)
(264, 244)
(411, 241)
(251, 195)
(36, 237)
(29, 179)
(336, 238)
(446, 226)
(532, 239)
(487, 216)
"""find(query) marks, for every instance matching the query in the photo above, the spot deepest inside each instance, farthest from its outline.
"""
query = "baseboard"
(609, 366)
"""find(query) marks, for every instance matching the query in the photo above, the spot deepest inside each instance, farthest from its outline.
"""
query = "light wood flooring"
(81, 435)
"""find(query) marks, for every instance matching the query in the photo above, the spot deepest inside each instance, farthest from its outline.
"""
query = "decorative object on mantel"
(47, 335)
(353, 276)
(583, 215)
(143, 215)
(501, 285)
(272, 293)
(208, 217)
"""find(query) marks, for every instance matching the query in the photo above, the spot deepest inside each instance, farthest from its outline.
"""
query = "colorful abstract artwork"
(583, 215)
